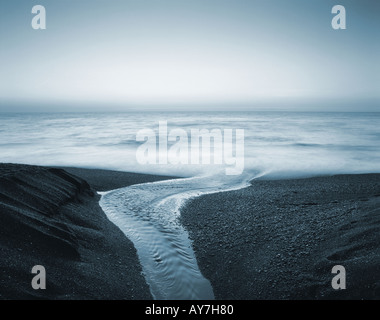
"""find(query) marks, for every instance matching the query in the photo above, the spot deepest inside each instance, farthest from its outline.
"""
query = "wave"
(296, 143)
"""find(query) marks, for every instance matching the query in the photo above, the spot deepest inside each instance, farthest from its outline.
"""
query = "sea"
(276, 145)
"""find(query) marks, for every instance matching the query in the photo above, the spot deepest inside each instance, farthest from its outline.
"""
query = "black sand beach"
(281, 239)
(105, 180)
(272, 240)
(52, 218)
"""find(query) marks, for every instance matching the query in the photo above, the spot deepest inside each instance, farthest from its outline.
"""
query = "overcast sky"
(98, 54)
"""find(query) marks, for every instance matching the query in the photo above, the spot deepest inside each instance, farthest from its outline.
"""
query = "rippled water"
(148, 215)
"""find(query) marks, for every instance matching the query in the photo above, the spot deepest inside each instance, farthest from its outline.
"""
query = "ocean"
(276, 144)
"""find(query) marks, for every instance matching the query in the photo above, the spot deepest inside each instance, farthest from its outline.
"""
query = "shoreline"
(279, 239)
(276, 239)
(103, 180)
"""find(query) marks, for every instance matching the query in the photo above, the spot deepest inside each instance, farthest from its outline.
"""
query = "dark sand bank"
(273, 240)
(105, 180)
(281, 239)
(52, 218)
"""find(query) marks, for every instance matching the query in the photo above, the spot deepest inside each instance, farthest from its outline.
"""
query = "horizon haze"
(177, 55)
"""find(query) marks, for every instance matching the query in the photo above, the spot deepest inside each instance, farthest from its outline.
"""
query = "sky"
(250, 54)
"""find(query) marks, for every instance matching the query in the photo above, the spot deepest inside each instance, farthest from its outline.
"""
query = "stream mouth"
(148, 214)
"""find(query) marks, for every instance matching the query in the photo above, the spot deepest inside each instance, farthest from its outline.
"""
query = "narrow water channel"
(148, 215)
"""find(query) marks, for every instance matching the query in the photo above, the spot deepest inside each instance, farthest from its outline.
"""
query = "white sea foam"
(280, 144)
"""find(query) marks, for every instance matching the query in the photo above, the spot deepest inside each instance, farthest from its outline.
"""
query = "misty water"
(277, 145)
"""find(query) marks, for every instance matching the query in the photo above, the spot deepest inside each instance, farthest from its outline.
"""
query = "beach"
(190, 151)
(276, 239)
(280, 239)
(52, 218)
